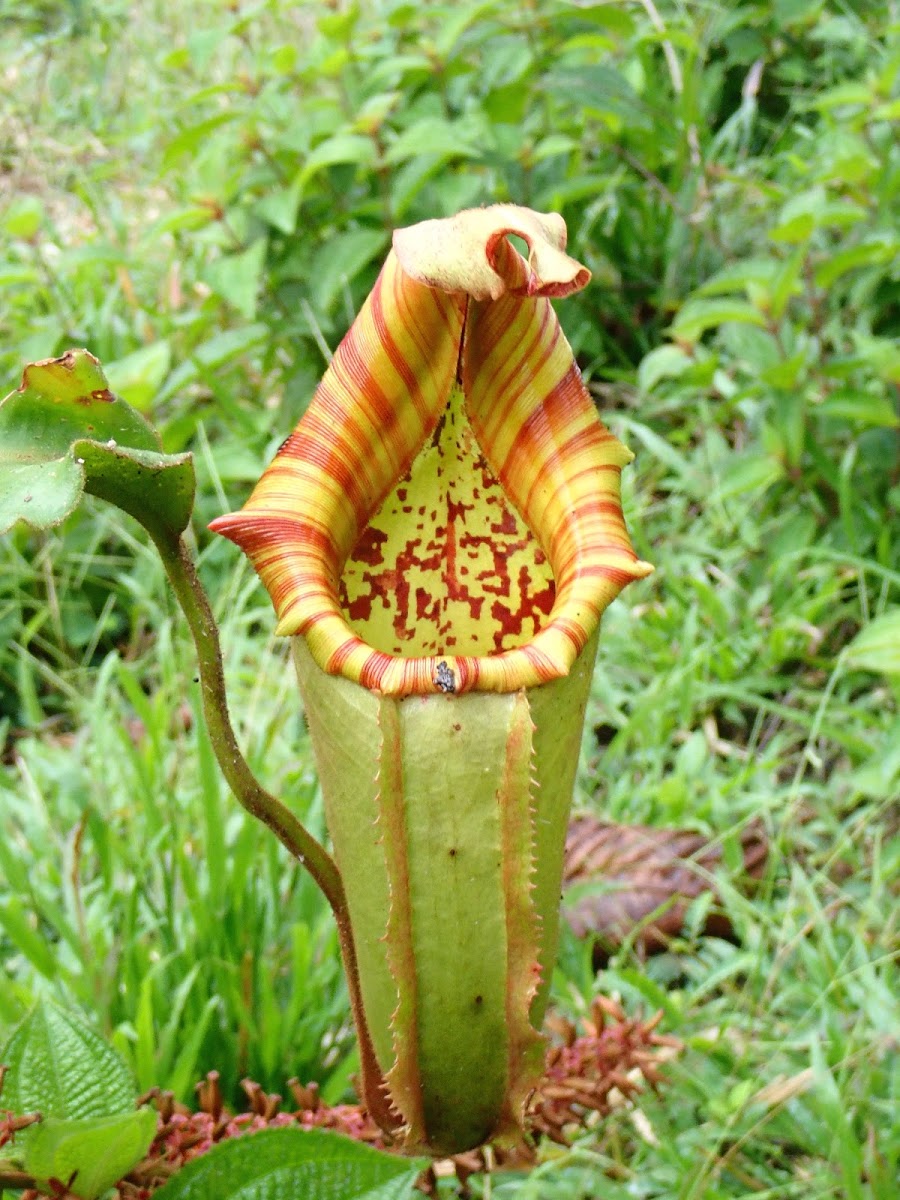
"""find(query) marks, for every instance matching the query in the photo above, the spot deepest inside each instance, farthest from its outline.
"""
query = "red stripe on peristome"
(409, 299)
(264, 531)
(391, 349)
(545, 667)
(498, 386)
(530, 358)
(339, 656)
(382, 415)
(620, 576)
(573, 631)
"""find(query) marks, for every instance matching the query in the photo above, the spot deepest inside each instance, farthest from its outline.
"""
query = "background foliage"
(202, 193)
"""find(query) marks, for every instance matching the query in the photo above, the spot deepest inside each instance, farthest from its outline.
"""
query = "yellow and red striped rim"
(455, 304)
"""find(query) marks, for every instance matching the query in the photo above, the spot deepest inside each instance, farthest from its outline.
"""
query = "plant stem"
(246, 787)
(262, 804)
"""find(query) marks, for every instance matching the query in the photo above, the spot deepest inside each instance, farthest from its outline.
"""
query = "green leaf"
(432, 136)
(63, 432)
(751, 474)
(599, 89)
(851, 93)
(665, 362)
(338, 26)
(699, 315)
(60, 1067)
(287, 1164)
(341, 148)
(24, 217)
(340, 259)
(795, 229)
(877, 646)
(457, 22)
(138, 377)
(747, 274)
(20, 926)
(867, 254)
(862, 408)
(881, 354)
(786, 282)
(236, 277)
(97, 1151)
(553, 144)
(279, 207)
(213, 354)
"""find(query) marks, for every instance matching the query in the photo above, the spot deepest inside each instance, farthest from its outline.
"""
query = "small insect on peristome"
(444, 678)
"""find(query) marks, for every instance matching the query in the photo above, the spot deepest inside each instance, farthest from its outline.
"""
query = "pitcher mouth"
(447, 517)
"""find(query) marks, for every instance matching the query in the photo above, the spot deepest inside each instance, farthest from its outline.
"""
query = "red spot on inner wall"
(370, 546)
(471, 564)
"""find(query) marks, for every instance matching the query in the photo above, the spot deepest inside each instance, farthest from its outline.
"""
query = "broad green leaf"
(138, 376)
(862, 408)
(877, 646)
(42, 494)
(881, 354)
(194, 216)
(60, 1067)
(294, 1164)
(24, 217)
(600, 89)
(795, 229)
(553, 144)
(609, 16)
(665, 362)
(339, 25)
(699, 315)
(432, 136)
(373, 111)
(457, 21)
(341, 148)
(280, 206)
(284, 59)
(751, 474)
(867, 254)
(237, 277)
(97, 1151)
(62, 399)
(63, 432)
(850, 93)
(340, 259)
(193, 136)
(740, 276)
(786, 373)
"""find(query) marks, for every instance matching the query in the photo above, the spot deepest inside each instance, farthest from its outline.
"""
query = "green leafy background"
(201, 195)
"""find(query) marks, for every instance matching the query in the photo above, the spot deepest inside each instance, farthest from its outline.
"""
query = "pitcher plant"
(440, 536)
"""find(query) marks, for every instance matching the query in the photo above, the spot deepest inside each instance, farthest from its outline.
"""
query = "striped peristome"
(419, 335)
